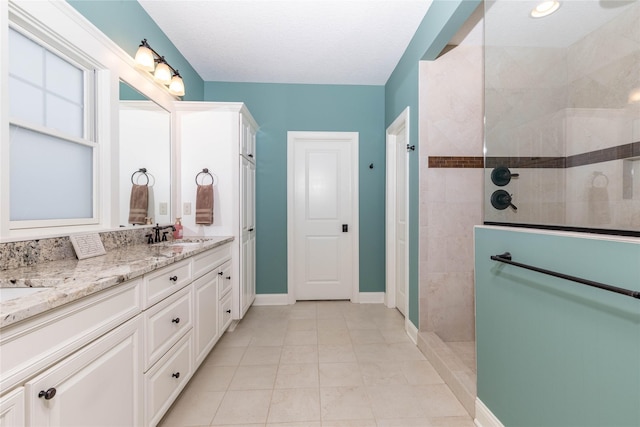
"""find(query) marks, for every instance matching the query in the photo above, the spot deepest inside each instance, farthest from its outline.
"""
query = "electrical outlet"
(186, 208)
(163, 208)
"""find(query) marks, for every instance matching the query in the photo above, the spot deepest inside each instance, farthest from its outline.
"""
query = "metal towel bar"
(506, 258)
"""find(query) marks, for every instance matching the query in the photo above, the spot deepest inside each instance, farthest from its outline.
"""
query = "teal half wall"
(552, 352)
(279, 108)
(127, 23)
(443, 19)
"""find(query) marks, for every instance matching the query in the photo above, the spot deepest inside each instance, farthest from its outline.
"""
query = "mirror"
(145, 143)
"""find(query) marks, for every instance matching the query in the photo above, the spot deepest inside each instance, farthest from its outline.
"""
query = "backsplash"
(31, 252)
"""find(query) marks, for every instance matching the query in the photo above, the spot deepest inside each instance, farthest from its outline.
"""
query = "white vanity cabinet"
(221, 137)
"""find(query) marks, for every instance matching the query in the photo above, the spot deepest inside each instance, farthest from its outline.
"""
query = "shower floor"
(456, 364)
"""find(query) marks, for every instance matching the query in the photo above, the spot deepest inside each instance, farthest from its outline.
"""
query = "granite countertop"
(68, 280)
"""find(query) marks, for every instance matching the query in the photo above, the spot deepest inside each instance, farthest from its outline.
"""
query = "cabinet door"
(247, 196)
(247, 139)
(99, 385)
(12, 409)
(206, 313)
(247, 272)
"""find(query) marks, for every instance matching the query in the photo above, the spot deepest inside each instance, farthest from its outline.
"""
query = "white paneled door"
(401, 220)
(323, 230)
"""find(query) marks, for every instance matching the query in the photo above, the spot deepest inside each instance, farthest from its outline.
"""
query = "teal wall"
(551, 352)
(127, 23)
(443, 19)
(279, 108)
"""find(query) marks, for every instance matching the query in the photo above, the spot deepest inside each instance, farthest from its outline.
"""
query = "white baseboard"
(371, 297)
(271, 299)
(484, 416)
(411, 330)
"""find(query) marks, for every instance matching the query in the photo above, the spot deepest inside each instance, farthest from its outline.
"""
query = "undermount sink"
(183, 242)
(7, 294)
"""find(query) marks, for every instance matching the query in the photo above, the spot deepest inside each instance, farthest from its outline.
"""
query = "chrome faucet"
(157, 230)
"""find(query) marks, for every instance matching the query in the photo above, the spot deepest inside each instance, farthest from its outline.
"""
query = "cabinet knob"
(251, 229)
(228, 277)
(229, 311)
(220, 273)
(176, 375)
(176, 320)
(48, 395)
(250, 155)
(173, 278)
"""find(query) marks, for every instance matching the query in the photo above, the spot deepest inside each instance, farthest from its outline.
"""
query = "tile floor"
(317, 364)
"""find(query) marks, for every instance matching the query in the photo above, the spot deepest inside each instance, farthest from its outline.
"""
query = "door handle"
(345, 228)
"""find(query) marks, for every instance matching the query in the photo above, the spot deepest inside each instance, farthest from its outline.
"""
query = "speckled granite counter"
(68, 280)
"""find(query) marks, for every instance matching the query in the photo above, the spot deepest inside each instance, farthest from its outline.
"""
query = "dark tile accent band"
(455, 162)
(605, 155)
(526, 162)
(598, 156)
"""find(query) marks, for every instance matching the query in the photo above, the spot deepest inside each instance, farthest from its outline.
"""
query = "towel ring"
(597, 175)
(205, 171)
(142, 171)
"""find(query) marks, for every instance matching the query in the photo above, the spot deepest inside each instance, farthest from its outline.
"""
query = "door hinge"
(411, 147)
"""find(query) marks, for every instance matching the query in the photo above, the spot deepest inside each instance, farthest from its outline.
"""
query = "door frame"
(390, 209)
(351, 138)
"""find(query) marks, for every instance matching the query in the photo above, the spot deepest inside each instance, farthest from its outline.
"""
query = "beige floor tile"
(302, 324)
(366, 336)
(212, 378)
(420, 372)
(334, 353)
(382, 373)
(350, 423)
(299, 354)
(318, 364)
(301, 375)
(345, 403)
(334, 337)
(193, 409)
(243, 406)
(261, 356)
(254, 377)
(463, 421)
(294, 405)
(229, 356)
(340, 375)
(301, 338)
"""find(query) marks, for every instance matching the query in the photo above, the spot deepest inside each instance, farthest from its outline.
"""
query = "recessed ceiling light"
(545, 8)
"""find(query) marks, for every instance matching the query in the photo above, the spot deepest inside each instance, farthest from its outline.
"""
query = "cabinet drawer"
(30, 346)
(209, 260)
(225, 312)
(165, 281)
(165, 323)
(225, 279)
(166, 379)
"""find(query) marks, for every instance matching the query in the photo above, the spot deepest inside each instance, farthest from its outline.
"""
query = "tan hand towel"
(138, 204)
(204, 204)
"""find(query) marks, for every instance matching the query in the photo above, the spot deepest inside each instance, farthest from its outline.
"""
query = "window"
(52, 140)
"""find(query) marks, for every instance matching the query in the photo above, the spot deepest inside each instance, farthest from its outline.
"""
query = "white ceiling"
(355, 42)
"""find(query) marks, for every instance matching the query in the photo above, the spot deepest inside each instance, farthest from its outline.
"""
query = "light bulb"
(144, 59)
(163, 73)
(545, 8)
(176, 87)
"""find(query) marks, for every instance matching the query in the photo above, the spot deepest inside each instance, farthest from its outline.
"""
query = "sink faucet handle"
(164, 236)
(149, 238)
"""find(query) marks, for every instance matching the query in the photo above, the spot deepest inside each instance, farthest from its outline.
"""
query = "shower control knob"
(501, 200)
(501, 176)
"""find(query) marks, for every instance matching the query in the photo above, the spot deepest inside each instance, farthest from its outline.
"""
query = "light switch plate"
(186, 208)
(163, 208)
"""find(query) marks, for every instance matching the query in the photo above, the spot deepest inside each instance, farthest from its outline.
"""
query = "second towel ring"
(142, 171)
(205, 171)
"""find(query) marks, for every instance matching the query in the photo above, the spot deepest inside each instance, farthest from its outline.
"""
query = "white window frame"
(89, 138)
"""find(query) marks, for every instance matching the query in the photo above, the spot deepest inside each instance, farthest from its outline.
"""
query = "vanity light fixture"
(545, 8)
(147, 58)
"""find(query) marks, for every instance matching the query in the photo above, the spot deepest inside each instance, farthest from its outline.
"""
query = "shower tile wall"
(450, 198)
